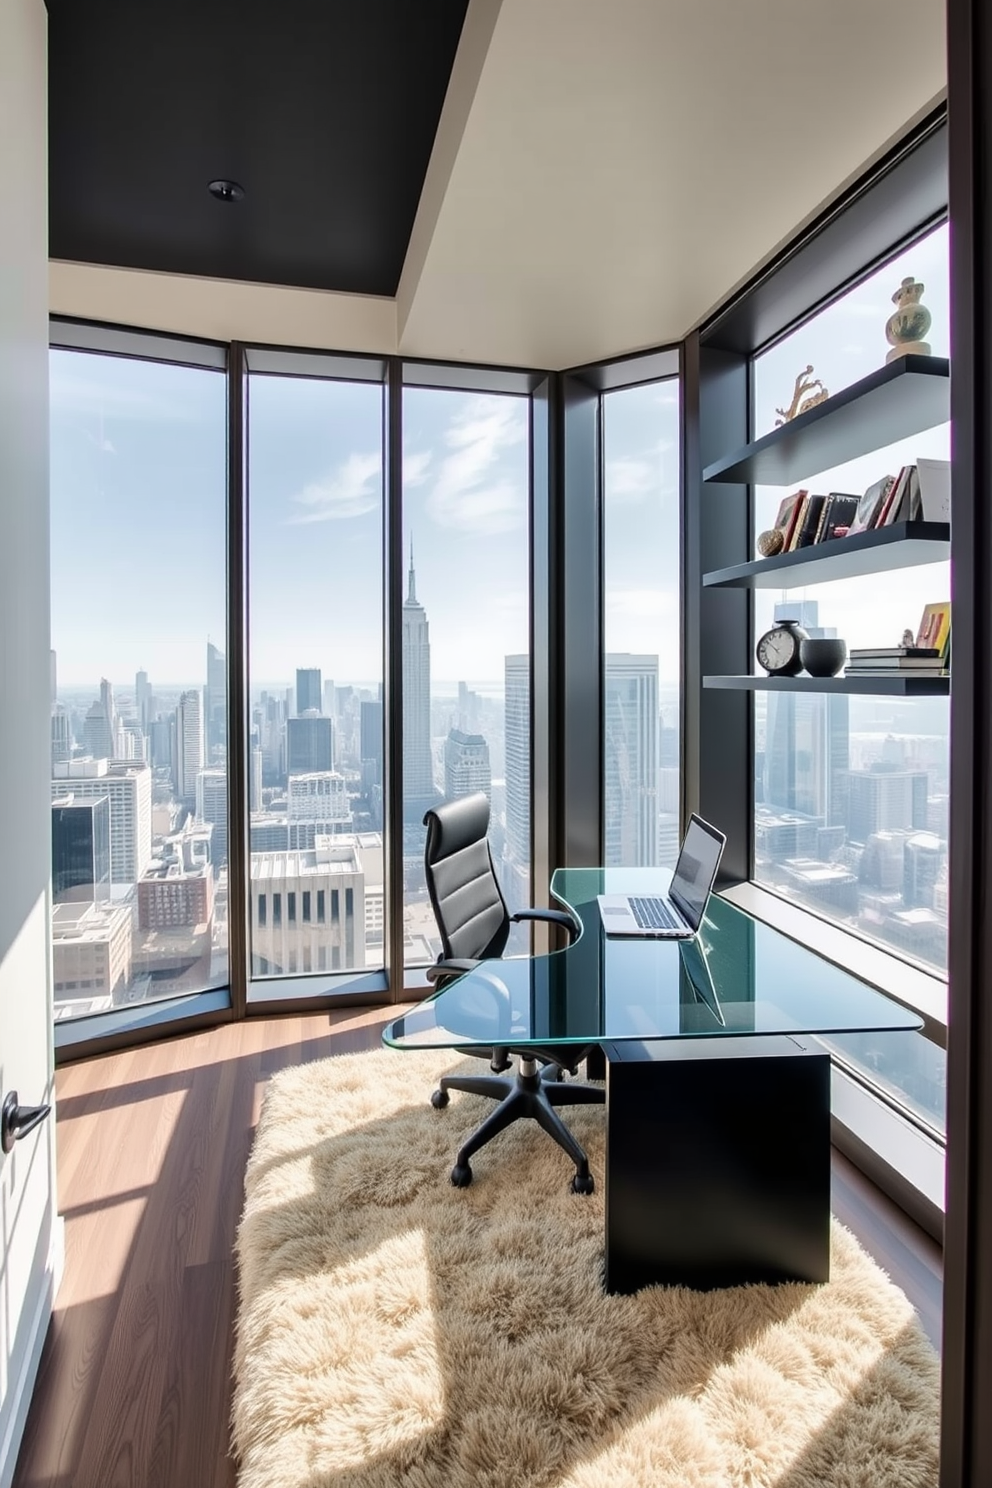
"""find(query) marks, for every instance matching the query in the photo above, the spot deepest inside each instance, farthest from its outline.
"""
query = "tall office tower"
(53, 678)
(255, 780)
(517, 841)
(102, 727)
(80, 849)
(631, 759)
(143, 699)
(309, 744)
(216, 705)
(418, 766)
(133, 742)
(319, 797)
(211, 806)
(61, 734)
(129, 787)
(923, 856)
(883, 799)
(329, 699)
(160, 743)
(808, 755)
(466, 765)
(188, 752)
(308, 908)
(370, 740)
(308, 694)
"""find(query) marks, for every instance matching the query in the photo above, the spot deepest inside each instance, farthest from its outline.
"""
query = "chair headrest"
(457, 824)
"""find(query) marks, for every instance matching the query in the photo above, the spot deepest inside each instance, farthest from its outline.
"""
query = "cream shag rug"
(396, 1331)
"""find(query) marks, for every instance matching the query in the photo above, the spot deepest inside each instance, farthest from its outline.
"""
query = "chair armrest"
(553, 917)
(448, 970)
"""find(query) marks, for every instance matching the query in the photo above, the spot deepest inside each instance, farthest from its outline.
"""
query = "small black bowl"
(822, 656)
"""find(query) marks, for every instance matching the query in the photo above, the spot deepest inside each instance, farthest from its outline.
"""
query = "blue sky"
(138, 453)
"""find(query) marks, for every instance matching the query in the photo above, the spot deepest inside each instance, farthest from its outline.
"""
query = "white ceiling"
(606, 171)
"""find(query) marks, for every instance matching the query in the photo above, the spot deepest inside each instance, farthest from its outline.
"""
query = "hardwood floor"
(134, 1386)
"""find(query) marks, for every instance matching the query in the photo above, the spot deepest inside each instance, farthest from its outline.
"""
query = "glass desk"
(717, 1163)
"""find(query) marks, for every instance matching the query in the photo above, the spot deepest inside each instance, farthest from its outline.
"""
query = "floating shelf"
(895, 402)
(902, 685)
(903, 545)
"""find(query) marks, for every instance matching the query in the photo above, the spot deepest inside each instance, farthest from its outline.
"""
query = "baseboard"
(19, 1398)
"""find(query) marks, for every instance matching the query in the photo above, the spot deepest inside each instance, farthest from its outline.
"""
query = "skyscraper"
(370, 740)
(129, 789)
(418, 769)
(211, 806)
(80, 849)
(886, 799)
(188, 753)
(309, 744)
(631, 759)
(517, 849)
(807, 755)
(309, 698)
(102, 726)
(61, 734)
(143, 699)
(466, 765)
(216, 704)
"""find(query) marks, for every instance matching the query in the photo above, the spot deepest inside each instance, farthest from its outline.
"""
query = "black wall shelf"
(903, 545)
(902, 685)
(894, 402)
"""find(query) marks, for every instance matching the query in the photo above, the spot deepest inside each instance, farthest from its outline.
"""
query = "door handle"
(16, 1121)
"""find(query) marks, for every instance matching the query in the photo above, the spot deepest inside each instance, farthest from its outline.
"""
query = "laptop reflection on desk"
(677, 914)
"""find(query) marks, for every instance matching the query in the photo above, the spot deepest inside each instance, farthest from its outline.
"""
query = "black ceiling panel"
(325, 112)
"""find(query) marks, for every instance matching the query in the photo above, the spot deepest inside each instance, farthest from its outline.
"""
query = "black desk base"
(717, 1162)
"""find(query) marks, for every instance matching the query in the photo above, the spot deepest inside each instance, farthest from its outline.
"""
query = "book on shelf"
(797, 522)
(788, 511)
(931, 664)
(934, 480)
(866, 653)
(838, 511)
(896, 500)
(809, 521)
(870, 505)
(935, 627)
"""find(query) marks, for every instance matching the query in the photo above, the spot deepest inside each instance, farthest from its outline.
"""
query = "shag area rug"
(396, 1331)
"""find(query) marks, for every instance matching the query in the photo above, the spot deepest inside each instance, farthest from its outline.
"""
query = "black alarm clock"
(778, 649)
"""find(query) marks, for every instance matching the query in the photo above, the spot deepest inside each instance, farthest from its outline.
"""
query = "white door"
(28, 1227)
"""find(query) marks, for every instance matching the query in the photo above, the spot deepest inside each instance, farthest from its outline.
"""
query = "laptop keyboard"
(654, 914)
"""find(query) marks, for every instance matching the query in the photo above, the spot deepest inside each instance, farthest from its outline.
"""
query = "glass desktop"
(735, 977)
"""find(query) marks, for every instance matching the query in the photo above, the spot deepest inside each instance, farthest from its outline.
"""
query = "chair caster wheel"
(440, 1099)
(461, 1175)
(582, 1185)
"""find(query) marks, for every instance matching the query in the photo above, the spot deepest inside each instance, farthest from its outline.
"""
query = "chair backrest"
(469, 907)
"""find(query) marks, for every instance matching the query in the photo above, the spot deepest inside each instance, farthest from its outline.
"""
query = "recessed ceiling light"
(228, 191)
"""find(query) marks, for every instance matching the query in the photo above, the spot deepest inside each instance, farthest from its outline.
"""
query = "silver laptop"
(677, 914)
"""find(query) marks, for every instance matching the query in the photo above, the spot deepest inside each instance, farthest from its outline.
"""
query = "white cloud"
(628, 479)
(415, 468)
(471, 492)
(354, 488)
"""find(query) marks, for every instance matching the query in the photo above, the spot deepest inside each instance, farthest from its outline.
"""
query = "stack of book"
(907, 661)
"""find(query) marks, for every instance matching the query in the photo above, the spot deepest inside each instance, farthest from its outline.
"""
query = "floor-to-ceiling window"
(139, 732)
(852, 792)
(465, 633)
(641, 624)
(315, 656)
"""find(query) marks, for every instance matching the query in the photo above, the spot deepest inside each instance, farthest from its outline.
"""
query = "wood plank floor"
(134, 1386)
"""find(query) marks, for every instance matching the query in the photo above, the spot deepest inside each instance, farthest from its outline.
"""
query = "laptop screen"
(695, 870)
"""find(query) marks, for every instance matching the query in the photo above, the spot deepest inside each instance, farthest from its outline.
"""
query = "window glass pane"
(315, 669)
(139, 713)
(466, 626)
(851, 792)
(642, 607)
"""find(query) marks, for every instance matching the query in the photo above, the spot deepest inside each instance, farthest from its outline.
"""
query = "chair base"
(531, 1093)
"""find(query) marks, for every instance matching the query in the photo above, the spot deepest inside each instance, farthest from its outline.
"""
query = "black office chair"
(474, 924)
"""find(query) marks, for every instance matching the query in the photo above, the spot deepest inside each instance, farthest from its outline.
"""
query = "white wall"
(27, 1218)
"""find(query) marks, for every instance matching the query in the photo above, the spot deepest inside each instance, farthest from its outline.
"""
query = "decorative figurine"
(805, 383)
(909, 323)
(769, 543)
(908, 637)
